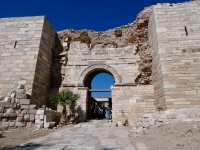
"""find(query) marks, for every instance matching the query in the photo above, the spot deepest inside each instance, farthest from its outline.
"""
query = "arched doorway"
(86, 78)
(100, 93)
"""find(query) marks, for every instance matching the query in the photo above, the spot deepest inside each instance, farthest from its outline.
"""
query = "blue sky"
(98, 15)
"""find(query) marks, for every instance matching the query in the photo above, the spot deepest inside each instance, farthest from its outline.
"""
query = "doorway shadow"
(76, 114)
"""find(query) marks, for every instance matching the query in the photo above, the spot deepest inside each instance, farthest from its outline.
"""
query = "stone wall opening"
(98, 88)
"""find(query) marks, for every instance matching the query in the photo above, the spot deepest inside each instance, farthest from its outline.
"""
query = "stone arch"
(99, 67)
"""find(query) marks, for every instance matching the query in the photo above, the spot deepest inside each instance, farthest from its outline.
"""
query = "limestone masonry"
(155, 62)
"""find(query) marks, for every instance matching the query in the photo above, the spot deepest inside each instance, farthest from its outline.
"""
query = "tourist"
(108, 112)
(96, 111)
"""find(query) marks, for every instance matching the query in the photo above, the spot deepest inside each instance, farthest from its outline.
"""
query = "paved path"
(98, 135)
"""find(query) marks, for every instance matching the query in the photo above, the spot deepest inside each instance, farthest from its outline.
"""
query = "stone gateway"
(155, 61)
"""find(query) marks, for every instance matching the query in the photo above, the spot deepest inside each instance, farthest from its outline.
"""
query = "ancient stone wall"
(123, 64)
(175, 38)
(133, 35)
(131, 102)
(42, 78)
(25, 53)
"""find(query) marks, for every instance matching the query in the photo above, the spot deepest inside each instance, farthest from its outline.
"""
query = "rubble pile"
(161, 118)
(17, 111)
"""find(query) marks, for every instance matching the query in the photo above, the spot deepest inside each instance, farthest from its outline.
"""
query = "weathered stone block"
(20, 124)
(40, 112)
(10, 105)
(26, 117)
(20, 115)
(38, 121)
(25, 101)
(17, 111)
(17, 100)
(19, 119)
(7, 99)
(24, 107)
(32, 117)
(12, 100)
(11, 124)
(1, 114)
(21, 96)
(5, 124)
(31, 111)
(9, 114)
(41, 117)
(39, 125)
(32, 106)
(1, 109)
(9, 110)
(21, 91)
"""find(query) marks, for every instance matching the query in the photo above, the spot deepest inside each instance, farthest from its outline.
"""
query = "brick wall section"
(175, 38)
(42, 77)
(29, 62)
(134, 101)
(18, 64)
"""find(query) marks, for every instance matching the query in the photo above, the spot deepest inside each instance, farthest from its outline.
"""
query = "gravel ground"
(17, 136)
(176, 136)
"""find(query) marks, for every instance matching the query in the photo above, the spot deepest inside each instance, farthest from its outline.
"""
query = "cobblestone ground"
(98, 135)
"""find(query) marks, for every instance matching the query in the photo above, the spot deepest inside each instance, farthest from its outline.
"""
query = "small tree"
(63, 98)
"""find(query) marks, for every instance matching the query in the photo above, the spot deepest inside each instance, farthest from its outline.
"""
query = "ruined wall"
(175, 39)
(131, 102)
(122, 60)
(25, 54)
(131, 36)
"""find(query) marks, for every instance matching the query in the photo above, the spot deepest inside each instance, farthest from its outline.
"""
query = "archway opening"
(99, 84)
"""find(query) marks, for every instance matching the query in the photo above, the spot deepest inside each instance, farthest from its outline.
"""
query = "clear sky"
(102, 81)
(98, 15)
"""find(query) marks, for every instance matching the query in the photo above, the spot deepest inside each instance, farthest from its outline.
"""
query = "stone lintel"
(69, 85)
(82, 88)
(126, 84)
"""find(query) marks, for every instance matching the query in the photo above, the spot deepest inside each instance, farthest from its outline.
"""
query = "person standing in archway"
(108, 112)
(96, 111)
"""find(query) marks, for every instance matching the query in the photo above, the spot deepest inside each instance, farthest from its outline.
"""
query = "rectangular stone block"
(25, 101)
(20, 124)
(5, 124)
(10, 105)
(1, 109)
(19, 119)
(24, 107)
(20, 115)
(40, 112)
(11, 124)
(26, 117)
(31, 111)
(32, 117)
(37, 120)
(9, 114)
(32, 106)
(41, 117)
